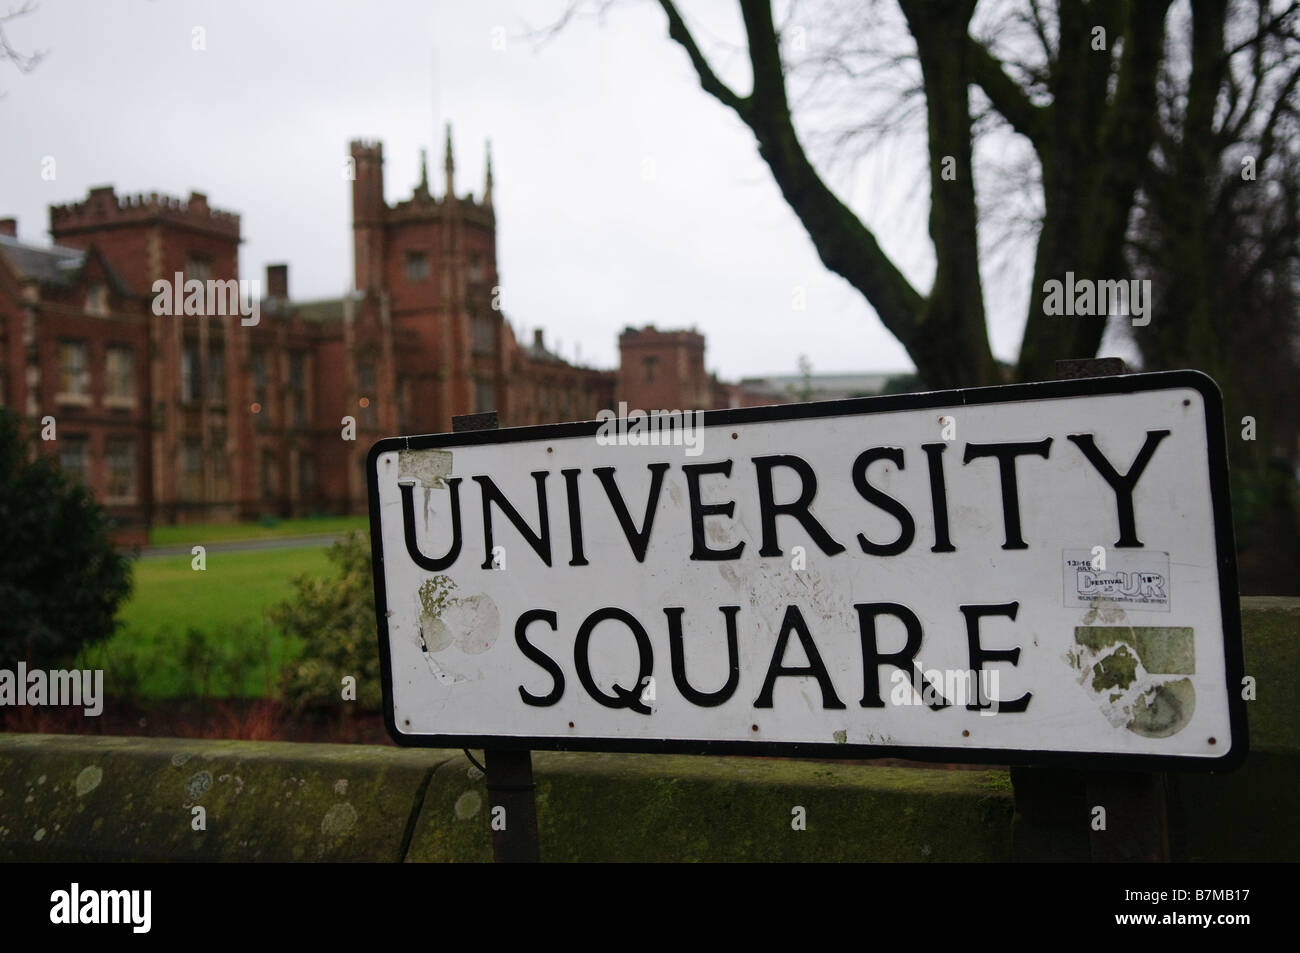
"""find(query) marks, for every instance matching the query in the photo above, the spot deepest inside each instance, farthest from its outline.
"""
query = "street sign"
(1018, 574)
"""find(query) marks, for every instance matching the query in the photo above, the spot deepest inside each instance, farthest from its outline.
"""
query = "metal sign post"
(509, 771)
(1136, 804)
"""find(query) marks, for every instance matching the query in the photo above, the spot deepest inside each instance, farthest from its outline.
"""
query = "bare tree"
(1078, 81)
(1218, 224)
(1217, 231)
(26, 62)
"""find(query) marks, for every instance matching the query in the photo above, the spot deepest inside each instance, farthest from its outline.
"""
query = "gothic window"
(119, 455)
(297, 387)
(119, 383)
(216, 379)
(97, 301)
(198, 267)
(74, 456)
(191, 468)
(482, 334)
(74, 370)
(190, 374)
(417, 266)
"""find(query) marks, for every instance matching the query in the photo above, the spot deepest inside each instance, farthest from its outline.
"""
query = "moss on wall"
(108, 798)
(103, 798)
(626, 807)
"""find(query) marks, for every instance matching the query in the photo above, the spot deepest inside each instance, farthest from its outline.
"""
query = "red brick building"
(208, 416)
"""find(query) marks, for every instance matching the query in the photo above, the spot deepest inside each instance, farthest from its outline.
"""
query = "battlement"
(366, 147)
(650, 336)
(418, 208)
(104, 208)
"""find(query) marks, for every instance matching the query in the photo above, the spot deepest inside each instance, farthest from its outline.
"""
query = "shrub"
(335, 619)
(61, 578)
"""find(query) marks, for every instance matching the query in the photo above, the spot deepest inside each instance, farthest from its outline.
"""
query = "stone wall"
(104, 798)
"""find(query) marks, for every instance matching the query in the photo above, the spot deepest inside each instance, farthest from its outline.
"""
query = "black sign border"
(1229, 597)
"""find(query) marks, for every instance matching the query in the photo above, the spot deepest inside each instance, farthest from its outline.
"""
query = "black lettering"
(1006, 454)
(534, 654)
(540, 541)
(621, 697)
(700, 544)
(408, 528)
(906, 525)
(938, 497)
(1122, 485)
(575, 517)
(978, 655)
(799, 509)
(904, 659)
(639, 540)
(793, 622)
(703, 699)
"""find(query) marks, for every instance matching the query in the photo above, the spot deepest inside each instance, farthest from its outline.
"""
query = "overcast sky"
(624, 194)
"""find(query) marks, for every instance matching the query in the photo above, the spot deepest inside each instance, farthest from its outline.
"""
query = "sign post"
(1135, 822)
(509, 771)
(1030, 574)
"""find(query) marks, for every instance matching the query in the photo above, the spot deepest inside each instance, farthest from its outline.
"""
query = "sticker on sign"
(857, 578)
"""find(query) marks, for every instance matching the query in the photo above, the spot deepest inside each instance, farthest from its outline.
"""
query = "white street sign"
(1010, 574)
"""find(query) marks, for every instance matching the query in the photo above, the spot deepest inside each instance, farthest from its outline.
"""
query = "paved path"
(243, 545)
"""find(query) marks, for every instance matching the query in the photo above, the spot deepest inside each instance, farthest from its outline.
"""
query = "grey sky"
(624, 194)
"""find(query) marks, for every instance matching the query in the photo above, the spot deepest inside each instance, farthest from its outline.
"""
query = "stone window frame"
(81, 396)
(417, 266)
(114, 376)
(191, 467)
(97, 300)
(133, 487)
(80, 441)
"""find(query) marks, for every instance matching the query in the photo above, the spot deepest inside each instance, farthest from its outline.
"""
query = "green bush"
(61, 578)
(335, 619)
(1266, 520)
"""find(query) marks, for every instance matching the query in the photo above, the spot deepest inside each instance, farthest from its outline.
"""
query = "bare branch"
(1005, 95)
(678, 31)
(540, 36)
(1040, 30)
(1273, 26)
(1281, 107)
(26, 62)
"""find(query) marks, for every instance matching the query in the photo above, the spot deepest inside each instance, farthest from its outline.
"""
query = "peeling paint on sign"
(428, 468)
(1123, 665)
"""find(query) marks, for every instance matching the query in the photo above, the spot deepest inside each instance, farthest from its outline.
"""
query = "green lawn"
(186, 632)
(203, 533)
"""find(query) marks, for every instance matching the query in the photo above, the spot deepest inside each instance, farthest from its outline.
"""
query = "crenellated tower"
(192, 360)
(151, 236)
(431, 262)
(367, 213)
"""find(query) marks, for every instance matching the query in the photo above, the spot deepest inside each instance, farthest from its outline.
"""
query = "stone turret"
(368, 212)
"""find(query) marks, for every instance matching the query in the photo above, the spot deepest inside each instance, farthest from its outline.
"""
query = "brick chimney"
(9, 226)
(277, 281)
